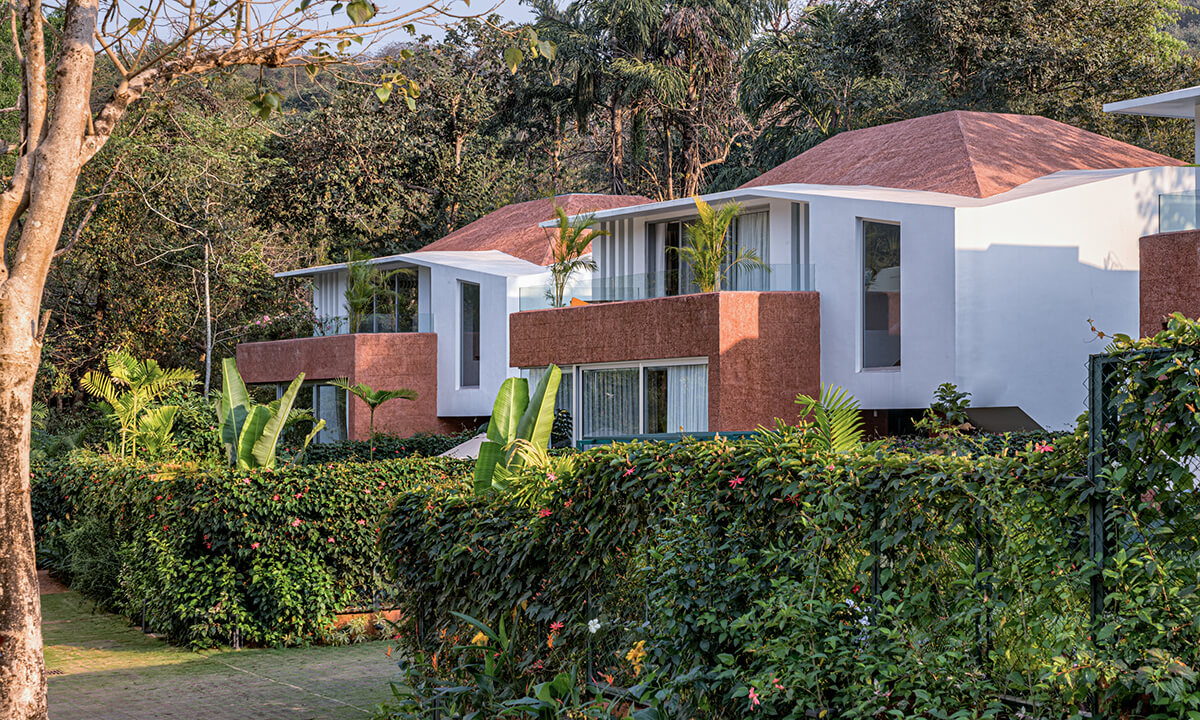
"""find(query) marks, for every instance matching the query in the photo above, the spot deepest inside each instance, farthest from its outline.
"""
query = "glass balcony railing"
(594, 289)
(376, 323)
(1178, 212)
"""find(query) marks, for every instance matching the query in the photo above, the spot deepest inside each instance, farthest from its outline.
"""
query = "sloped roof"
(513, 229)
(973, 154)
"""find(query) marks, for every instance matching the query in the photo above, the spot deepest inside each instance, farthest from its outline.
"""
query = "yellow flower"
(636, 655)
(479, 639)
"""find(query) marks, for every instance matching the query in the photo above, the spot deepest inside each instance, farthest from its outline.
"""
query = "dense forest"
(215, 185)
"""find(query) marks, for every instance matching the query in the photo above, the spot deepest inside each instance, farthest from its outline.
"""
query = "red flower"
(254, 546)
(556, 626)
(629, 472)
(296, 522)
(736, 481)
(545, 512)
(1043, 447)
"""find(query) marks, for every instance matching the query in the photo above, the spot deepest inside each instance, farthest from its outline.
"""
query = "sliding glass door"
(643, 398)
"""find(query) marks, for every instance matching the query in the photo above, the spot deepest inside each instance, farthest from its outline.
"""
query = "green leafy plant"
(833, 420)
(140, 423)
(518, 433)
(210, 551)
(947, 412)
(706, 250)
(365, 285)
(568, 245)
(251, 432)
(373, 398)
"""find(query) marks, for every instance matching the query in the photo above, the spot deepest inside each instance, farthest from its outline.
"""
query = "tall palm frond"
(146, 382)
(569, 243)
(834, 420)
(706, 250)
(373, 398)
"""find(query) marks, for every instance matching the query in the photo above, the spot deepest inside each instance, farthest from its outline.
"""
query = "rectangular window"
(676, 399)
(881, 294)
(325, 402)
(469, 340)
(610, 402)
(643, 399)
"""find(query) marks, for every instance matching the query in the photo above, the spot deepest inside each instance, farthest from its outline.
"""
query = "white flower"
(594, 625)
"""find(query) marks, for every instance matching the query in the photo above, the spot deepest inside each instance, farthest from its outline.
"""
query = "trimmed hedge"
(386, 446)
(207, 553)
(746, 570)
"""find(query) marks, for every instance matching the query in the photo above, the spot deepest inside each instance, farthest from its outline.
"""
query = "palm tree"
(373, 398)
(147, 382)
(567, 247)
(705, 251)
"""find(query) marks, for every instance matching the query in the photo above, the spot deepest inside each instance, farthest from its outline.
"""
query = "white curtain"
(610, 402)
(563, 400)
(748, 233)
(687, 398)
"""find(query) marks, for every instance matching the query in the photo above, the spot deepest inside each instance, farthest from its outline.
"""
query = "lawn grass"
(111, 670)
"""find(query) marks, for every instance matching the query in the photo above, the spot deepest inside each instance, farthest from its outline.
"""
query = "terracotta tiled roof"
(973, 154)
(513, 229)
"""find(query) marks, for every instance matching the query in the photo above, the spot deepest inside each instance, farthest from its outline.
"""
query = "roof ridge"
(969, 151)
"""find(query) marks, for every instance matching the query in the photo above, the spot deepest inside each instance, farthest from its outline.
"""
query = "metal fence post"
(1097, 505)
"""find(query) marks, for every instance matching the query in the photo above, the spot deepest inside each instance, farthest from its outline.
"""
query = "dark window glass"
(881, 294)
(469, 341)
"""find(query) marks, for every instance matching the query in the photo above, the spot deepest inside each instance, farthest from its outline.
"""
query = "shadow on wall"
(757, 377)
(1024, 333)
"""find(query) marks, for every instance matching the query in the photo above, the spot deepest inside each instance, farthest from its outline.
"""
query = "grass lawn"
(102, 669)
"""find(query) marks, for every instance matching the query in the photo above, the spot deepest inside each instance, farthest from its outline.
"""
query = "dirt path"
(103, 669)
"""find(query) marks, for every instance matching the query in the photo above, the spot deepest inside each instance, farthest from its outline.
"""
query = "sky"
(511, 9)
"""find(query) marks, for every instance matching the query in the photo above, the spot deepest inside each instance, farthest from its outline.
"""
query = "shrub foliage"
(765, 576)
(208, 553)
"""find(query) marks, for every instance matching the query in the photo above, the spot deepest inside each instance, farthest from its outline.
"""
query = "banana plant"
(249, 431)
(373, 398)
(518, 434)
(833, 421)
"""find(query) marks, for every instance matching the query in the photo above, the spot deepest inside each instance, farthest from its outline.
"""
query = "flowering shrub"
(208, 553)
(759, 577)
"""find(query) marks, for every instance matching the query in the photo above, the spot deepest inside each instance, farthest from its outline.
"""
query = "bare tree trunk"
(22, 672)
(616, 158)
(208, 338)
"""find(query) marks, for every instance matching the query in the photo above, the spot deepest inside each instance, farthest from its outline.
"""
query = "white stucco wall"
(1031, 273)
(926, 298)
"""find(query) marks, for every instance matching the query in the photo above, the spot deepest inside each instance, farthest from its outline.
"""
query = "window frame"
(462, 351)
(862, 295)
(640, 366)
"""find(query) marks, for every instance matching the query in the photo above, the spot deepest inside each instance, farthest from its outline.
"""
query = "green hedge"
(749, 566)
(207, 553)
(386, 446)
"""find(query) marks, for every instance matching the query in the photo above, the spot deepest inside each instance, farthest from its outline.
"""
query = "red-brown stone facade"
(762, 347)
(1169, 277)
(384, 361)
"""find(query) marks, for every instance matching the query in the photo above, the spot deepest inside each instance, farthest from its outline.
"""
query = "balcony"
(375, 323)
(1178, 211)
(594, 289)
(761, 348)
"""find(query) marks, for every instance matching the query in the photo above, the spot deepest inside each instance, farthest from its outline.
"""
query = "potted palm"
(705, 251)
(568, 247)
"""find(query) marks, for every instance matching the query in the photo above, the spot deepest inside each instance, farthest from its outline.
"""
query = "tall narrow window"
(469, 341)
(881, 294)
